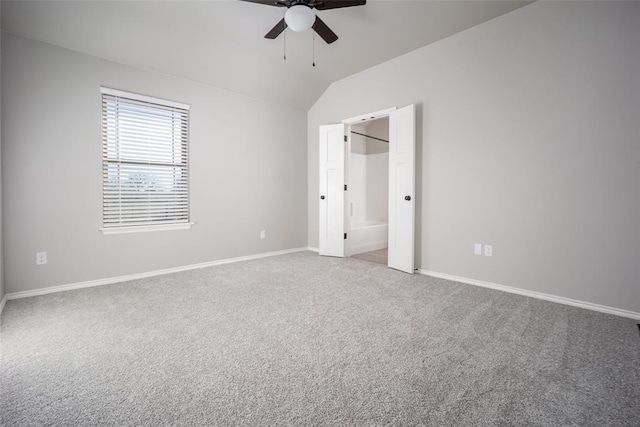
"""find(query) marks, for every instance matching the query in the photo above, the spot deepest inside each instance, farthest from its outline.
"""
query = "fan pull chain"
(314, 48)
(285, 43)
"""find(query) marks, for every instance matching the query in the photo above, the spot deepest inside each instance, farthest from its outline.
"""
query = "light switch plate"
(477, 248)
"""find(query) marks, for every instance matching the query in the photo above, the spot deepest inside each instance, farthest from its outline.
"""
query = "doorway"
(335, 207)
(368, 190)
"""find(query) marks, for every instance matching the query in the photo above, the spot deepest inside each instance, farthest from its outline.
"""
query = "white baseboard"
(533, 294)
(107, 281)
(2, 303)
(110, 280)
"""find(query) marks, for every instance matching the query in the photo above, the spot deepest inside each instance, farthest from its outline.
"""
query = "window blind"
(145, 174)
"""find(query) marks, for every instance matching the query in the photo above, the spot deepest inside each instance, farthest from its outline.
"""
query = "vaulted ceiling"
(221, 43)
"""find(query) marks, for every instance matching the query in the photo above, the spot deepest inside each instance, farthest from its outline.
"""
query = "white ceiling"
(221, 43)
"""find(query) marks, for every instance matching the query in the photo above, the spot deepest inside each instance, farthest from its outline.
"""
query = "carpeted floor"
(301, 339)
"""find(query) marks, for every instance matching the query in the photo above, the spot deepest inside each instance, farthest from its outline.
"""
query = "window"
(145, 171)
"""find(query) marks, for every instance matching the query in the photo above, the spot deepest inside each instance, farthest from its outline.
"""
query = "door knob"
(322, 197)
(407, 198)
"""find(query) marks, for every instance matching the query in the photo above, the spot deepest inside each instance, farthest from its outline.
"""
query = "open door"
(402, 189)
(332, 194)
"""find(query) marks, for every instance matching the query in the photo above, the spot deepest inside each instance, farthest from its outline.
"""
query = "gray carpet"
(305, 340)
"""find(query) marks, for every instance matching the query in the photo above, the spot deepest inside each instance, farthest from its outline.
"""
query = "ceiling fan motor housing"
(299, 18)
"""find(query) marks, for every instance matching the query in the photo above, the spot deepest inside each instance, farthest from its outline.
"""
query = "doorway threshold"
(380, 256)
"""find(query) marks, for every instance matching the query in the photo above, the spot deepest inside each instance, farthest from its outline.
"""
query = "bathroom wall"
(377, 187)
(368, 176)
(358, 177)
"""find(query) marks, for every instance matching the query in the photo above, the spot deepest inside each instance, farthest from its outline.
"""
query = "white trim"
(110, 280)
(3, 302)
(143, 98)
(533, 294)
(309, 248)
(145, 228)
(370, 116)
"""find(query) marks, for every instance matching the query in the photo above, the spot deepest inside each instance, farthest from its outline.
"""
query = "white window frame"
(118, 229)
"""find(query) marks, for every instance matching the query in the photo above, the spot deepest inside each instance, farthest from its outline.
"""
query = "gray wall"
(527, 139)
(248, 171)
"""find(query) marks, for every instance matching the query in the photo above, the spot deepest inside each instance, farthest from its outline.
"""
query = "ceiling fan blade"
(335, 4)
(277, 30)
(324, 31)
(279, 3)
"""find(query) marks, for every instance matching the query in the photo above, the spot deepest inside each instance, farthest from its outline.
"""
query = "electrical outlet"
(477, 248)
(41, 258)
(488, 250)
(263, 234)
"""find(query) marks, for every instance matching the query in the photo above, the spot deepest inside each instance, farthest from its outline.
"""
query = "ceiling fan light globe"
(299, 18)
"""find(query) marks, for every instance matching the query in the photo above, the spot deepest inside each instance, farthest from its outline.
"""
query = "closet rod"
(368, 136)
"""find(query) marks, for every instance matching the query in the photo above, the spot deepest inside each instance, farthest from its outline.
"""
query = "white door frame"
(371, 116)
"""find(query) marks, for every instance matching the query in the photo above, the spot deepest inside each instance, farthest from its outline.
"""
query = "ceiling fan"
(300, 17)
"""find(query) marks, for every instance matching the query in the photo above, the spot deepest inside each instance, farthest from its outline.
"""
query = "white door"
(401, 188)
(332, 194)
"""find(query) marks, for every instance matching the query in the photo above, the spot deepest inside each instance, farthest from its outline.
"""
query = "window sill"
(146, 228)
